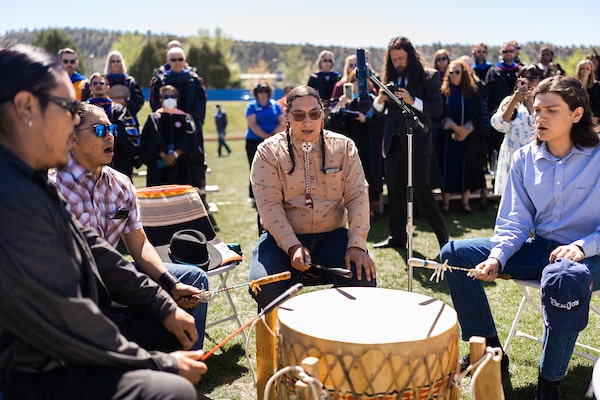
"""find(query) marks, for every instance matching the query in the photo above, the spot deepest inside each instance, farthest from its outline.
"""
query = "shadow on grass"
(224, 368)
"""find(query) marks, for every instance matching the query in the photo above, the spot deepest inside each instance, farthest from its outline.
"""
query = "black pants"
(251, 146)
(98, 383)
(396, 176)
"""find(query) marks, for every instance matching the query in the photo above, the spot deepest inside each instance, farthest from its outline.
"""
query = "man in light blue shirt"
(549, 210)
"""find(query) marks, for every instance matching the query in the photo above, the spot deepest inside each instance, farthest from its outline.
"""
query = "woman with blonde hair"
(584, 72)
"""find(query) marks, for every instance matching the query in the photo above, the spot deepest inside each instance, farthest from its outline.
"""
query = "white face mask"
(170, 103)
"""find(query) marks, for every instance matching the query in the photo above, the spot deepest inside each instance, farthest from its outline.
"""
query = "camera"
(349, 91)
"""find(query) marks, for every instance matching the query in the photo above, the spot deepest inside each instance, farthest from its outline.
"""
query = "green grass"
(229, 376)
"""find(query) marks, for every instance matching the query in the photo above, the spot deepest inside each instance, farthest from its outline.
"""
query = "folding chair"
(167, 209)
(527, 286)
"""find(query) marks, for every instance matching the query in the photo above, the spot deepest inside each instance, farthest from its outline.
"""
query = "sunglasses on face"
(300, 116)
(65, 61)
(180, 59)
(263, 90)
(115, 61)
(328, 60)
(507, 51)
(351, 65)
(481, 52)
(97, 83)
(457, 72)
(70, 105)
(169, 96)
(103, 130)
(441, 59)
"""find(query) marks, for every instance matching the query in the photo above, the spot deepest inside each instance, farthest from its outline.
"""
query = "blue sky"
(351, 23)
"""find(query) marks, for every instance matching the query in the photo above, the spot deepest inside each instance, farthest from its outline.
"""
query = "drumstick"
(254, 285)
(289, 293)
(440, 268)
(346, 273)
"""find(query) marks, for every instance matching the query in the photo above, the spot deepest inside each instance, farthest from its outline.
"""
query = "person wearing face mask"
(169, 145)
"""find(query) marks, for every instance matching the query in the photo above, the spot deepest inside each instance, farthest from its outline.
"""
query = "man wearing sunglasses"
(127, 134)
(68, 58)
(102, 198)
(500, 81)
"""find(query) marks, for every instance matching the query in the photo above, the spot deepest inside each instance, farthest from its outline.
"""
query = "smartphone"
(349, 91)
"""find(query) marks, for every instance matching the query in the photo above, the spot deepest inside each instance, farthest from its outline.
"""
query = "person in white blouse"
(514, 118)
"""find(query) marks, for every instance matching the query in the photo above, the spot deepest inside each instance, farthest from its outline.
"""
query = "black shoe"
(390, 242)
(465, 361)
(548, 390)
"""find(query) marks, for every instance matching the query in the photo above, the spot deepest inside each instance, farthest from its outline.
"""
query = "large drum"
(371, 343)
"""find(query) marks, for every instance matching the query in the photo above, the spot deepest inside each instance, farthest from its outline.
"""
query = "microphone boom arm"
(401, 103)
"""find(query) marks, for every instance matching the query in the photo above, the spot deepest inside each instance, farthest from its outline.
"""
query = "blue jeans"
(193, 276)
(473, 309)
(327, 249)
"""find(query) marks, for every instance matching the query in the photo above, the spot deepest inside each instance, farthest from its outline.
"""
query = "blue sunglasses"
(103, 130)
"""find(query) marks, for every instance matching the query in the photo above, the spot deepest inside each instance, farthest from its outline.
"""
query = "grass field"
(229, 376)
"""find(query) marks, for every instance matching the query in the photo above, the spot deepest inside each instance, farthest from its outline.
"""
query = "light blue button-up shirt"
(555, 198)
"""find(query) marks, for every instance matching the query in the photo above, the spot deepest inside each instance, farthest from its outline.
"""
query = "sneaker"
(465, 361)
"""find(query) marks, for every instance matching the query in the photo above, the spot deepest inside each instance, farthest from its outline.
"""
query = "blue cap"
(566, 293)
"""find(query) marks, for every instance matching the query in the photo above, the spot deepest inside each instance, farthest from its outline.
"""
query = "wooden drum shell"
(371, 343)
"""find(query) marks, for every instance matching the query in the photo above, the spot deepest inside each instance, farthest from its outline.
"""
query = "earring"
(29, 123)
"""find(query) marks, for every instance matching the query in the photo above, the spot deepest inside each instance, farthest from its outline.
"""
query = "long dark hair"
(295, 93)
(585, 132)
(415, 70)
(29, 68)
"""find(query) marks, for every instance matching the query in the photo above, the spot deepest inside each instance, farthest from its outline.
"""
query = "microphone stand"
(410, 121)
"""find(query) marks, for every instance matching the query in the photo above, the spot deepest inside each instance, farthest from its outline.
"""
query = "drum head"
(367, 315)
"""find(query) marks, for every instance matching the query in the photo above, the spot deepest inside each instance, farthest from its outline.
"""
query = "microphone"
(285, 296)
(362, 75)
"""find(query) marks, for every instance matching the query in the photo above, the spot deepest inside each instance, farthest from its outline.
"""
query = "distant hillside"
(249, 55)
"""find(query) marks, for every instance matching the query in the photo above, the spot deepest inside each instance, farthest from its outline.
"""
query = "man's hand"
(182, 294)
(363, 262)
(570, 251)
(489, 270)
(182, 325)
(189, 364)
(300, 258)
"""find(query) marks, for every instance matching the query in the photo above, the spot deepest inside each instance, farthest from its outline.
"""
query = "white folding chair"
(527, 287)
(167, 209)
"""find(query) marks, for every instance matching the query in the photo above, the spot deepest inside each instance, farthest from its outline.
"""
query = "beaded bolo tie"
(306, 149)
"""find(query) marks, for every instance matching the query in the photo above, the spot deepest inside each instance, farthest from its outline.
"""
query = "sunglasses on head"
(103, 130)
(70, 105)
(65, 61)
(180, 59)
(300, 116)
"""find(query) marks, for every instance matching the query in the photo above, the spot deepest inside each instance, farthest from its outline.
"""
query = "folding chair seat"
(167, 209)
(527, 288)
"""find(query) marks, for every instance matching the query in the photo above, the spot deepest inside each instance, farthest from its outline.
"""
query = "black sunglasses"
(65, 61)
(180, 59)
(71, 105)
(300, 116)
(103, 130)
(457, 72)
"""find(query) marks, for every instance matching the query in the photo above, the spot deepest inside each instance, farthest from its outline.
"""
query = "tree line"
(221, 60)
